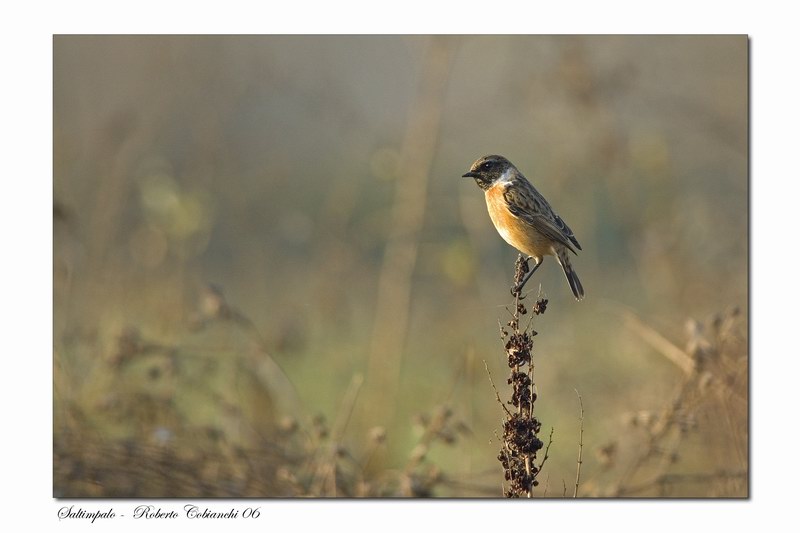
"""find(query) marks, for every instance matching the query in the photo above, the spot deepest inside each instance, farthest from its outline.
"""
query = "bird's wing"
(526, 203)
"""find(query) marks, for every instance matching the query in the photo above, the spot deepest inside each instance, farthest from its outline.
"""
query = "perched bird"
(524, 218)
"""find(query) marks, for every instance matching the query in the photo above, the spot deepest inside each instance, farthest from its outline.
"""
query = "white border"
(27, 252)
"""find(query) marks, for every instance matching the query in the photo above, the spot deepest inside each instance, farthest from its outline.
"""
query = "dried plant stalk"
(521, 428)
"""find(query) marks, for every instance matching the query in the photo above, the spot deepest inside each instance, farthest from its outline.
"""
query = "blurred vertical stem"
(400, 255)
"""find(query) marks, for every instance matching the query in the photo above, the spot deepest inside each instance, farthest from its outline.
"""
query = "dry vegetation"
(521, 442)
(170, 454)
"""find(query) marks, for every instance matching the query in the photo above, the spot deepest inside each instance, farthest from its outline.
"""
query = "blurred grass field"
(271, 280)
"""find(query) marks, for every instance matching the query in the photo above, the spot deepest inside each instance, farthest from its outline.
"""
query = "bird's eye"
(486, 165)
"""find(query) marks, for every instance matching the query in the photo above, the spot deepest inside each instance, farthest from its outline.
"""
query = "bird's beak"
(470, 174)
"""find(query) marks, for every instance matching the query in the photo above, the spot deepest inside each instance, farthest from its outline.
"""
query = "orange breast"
(514, 231)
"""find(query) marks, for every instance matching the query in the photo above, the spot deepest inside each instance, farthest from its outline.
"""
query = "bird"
(523, 218)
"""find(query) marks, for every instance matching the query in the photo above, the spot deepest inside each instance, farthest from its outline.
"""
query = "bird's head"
(487, 170)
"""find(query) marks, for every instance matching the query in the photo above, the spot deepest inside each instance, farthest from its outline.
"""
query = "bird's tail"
(572, 277)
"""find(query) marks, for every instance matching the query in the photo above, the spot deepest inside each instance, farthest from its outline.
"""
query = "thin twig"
(528, 471)
(347, 406)
(497, 394)
(580, 449)
(328, 456)
(547, 449)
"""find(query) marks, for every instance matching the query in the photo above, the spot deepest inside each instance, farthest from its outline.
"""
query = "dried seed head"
(377, 435)
(540, 307)
(419, 452)
(288, 424)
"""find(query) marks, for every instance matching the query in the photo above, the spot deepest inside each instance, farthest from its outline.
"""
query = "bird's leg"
(518, 288)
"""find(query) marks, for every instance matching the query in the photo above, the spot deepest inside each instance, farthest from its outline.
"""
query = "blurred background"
(270, 278)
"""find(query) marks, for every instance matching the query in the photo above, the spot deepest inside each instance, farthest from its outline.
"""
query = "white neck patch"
(505, 177)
